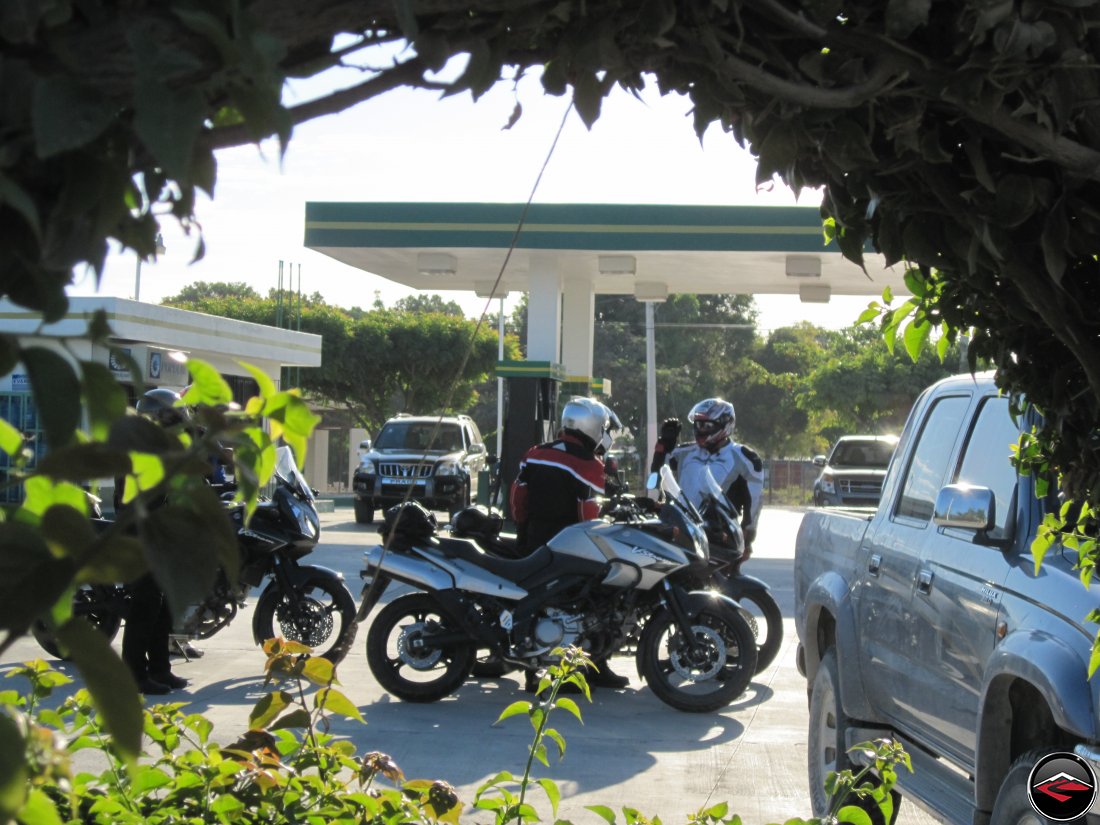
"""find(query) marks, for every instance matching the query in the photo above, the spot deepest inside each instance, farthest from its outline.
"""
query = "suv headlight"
(828, 485)
(366, 466)
(448, 468)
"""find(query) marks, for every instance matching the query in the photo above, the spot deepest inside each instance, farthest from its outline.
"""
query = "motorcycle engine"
(556, 628)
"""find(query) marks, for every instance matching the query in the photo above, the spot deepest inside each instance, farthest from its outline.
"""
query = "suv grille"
(397, 469)
(859, 488)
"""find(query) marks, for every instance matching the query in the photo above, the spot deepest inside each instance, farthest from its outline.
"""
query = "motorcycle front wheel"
(702, 673)
(321, 614)
(89, 604)
(403, 658)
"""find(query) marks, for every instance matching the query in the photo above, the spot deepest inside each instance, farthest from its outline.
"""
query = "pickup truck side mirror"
(968, 507)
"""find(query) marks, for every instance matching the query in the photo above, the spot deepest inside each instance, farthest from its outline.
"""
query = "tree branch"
(409, 73)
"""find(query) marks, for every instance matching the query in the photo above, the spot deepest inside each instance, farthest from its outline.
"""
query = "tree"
(429, 303)
(956, 136)
(200, 291)
(374, 363)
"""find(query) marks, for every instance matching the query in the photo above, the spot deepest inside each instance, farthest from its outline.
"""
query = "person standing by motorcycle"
(557, 485)
(737, 469)
(145, 637)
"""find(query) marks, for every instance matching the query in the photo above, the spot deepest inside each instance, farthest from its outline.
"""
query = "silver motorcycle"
(598, 585)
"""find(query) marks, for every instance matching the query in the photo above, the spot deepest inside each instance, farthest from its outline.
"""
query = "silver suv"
(436, 458)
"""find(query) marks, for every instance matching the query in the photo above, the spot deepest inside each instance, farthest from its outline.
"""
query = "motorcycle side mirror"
(653, 482)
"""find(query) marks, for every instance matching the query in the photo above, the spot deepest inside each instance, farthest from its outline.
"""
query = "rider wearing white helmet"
(557, 485)
(737, 469)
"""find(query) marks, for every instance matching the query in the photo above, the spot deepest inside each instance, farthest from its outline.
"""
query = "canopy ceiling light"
(814, 293)
(484, 289)
(803, 266)
(617, 265)
(436, 263)
(651, 291)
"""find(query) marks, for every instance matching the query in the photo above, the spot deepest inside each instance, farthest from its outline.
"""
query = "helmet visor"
(704, 427)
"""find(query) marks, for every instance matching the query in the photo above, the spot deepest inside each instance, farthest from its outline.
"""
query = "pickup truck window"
(928, 466)
(985, 461)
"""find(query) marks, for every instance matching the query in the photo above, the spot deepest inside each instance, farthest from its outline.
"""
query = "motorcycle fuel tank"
(638, 558)
(428, 569)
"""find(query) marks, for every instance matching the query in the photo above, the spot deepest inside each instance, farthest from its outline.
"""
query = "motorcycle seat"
(513, 570)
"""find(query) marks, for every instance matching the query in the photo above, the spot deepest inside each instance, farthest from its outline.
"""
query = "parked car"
(852, 474)
(437, 458)
(926, 622)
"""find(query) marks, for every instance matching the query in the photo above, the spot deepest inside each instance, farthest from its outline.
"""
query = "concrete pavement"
(632, 750)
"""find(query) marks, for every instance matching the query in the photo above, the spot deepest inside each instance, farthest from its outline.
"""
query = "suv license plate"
(402, 481)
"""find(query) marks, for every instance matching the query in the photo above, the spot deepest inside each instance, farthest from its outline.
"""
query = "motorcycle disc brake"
(309, 624)
(702, 660)
(411, 649)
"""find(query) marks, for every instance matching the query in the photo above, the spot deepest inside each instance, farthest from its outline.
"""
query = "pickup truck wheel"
(826, 747)
(1012, 806)
(364, 511)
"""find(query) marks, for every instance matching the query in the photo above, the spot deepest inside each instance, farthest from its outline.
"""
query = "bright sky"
(412, 146)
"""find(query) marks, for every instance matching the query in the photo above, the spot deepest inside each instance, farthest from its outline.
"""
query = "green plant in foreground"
(288, 768)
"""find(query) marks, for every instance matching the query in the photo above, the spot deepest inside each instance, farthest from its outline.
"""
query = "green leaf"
(109, 681)
(557, 739)
(13, 767)
(553, 793)
(268, 708)
(56, 394)
(104, 398)
(262, 379)
(147, 778)
(853, 815)
(39, 810)
(11, 440)
(916, 336)
(514, 709)
(67, 115)
(319, 671)
(168, 121)
(602, 811)
(565, 703)
(587, 97)
(84, 462)
(207, 385)
(334, 701)
(295, 719)
(16, 197)
(182, 552)
(888, 296)
(1094, 659)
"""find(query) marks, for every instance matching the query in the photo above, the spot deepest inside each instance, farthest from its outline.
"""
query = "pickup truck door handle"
(874, 564)
(924, 581)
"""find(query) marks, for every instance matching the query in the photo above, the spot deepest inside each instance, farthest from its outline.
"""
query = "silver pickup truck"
(926, 622)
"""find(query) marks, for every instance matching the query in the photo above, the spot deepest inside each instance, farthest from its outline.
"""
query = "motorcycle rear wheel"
(705, 676)
(766, 620)
(323, 617)
(401, 661)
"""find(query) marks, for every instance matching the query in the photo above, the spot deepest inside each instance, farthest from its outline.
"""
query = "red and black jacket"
(556, 487)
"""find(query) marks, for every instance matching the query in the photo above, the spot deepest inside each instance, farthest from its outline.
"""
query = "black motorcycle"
(304, 603)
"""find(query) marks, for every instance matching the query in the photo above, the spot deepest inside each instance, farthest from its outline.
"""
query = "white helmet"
(712, 421)
(592, 422)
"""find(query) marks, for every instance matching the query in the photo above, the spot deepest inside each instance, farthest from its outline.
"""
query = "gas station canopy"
(646, 250)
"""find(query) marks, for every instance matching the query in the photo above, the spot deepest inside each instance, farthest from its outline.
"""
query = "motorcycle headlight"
(447, 468)
(828, 485)
(308, 523)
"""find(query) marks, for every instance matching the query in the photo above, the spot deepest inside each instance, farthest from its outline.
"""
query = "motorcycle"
(597, 585)
(304, 603)
(727, 548)
(727, 545)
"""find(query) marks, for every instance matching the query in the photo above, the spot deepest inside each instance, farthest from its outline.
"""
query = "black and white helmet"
(592, 422)
(712, 421)
(163, 406)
